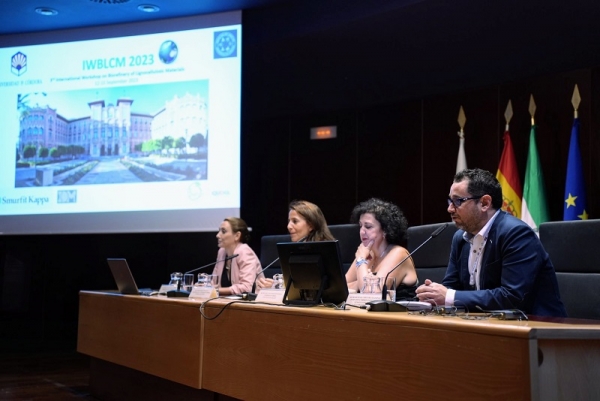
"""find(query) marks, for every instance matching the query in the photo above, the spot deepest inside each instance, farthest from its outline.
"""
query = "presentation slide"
(123, 134)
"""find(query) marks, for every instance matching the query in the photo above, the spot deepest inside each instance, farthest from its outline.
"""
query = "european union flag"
(575, 204)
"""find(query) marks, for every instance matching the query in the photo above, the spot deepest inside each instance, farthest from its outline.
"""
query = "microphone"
(251, 296)
(179, 293)
(263, 270)
(384, 305)
(212, 264)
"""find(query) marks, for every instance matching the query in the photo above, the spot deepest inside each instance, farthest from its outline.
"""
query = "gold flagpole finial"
(532, 109)
(508, 113)
(462, 119)
(576, 99)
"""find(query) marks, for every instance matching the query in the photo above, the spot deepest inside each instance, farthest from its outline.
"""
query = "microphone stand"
(179, 293)
(384, 305)
(251, 296)
(212, 264)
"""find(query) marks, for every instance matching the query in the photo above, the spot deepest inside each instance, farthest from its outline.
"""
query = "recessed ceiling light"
(110, 1)
(47, 11)
(148, 8)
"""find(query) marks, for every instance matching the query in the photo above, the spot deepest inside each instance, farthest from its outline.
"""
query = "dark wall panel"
(265, 177)
(389, 155)
(324, 171)
(441, 144)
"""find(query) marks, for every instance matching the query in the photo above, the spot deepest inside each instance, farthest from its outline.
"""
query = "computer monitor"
(312, 273)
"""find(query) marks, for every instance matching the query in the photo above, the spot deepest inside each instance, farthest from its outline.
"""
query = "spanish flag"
(508, 176)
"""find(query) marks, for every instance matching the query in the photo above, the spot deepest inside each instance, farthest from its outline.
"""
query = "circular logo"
(225, 44)
(168, 52)
(195, 191)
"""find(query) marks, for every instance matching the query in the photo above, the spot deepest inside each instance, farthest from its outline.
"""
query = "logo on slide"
(168, 52)
(18, 64)
(225, 44)
(68, 196)
(195, 191)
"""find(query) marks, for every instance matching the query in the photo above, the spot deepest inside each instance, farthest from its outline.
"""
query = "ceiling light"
(47, 11)
(110, 1)
(148, 8)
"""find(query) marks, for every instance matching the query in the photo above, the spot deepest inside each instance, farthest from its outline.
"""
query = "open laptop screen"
(123, 277)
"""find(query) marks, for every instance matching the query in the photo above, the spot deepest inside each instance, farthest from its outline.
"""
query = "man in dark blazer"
(496, 261)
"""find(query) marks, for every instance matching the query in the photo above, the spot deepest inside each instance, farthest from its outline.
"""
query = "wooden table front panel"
(292, 354)
(161, 337)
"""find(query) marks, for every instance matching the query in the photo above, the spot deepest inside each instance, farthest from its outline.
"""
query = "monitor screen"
(131, 128)
(312, 273)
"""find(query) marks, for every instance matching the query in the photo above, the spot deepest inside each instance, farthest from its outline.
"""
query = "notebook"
(123, 277)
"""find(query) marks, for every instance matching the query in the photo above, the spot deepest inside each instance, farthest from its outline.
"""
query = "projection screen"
(126, 128)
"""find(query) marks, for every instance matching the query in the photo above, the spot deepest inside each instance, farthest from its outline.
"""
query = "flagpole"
(507, 174)
(461, 161)
(534, 208)
(575, 196)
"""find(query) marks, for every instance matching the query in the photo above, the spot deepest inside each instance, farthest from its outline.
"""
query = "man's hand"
(433, 293)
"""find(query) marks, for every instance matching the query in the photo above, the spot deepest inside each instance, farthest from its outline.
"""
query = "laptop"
(123, 277)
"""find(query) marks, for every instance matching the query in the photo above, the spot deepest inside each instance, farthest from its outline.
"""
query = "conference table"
(158, 347)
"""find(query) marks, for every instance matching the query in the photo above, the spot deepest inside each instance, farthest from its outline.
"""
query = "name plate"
(270, 295)
(167, 287)
(359, 299)
(203, 292)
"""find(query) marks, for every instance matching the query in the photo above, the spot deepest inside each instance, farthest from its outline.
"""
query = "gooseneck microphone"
(384, 305)
(179, 293)
(263, 270)
(212, 264)
(251, 296)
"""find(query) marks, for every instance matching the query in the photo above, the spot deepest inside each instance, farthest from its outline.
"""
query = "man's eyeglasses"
(459, 201)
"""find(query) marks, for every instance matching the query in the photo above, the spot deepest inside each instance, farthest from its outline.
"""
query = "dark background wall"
(393, 83)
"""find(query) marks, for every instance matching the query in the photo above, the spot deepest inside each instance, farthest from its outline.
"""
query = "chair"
(574, 250)
(268, 252)
(431, 260)
(346, 234)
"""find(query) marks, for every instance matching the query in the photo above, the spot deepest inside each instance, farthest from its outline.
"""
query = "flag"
(575, 205)
(508, 176)
(534, 208)
(461, 162)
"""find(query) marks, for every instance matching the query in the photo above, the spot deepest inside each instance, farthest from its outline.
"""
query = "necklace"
(379, 258)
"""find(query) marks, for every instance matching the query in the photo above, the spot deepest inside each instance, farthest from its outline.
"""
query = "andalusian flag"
(575, 205)
(535, 210)
(508, 176)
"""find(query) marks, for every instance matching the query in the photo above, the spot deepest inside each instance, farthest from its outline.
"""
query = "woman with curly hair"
(382, 228)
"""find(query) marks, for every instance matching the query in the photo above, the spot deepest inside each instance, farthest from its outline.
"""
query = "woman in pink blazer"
(237, 275)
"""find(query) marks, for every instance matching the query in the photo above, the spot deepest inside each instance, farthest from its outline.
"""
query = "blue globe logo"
(168, 52)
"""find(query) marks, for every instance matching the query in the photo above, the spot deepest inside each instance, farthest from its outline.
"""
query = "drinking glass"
(215, 279)
(391, 289)
(188, 282)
